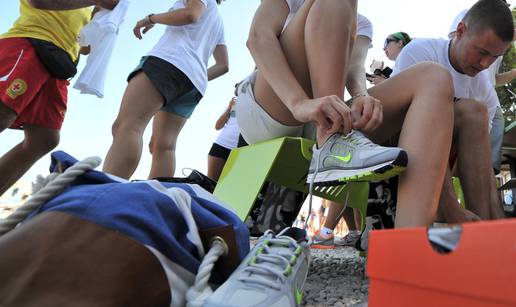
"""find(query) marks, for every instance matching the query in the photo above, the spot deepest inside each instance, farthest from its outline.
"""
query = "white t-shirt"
(436, 50)
(189, 47)
(364, 27)
(228, 136)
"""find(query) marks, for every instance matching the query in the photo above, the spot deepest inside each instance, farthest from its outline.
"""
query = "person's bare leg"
(350, 217)
(418, 102)
(496, 207)
(449, 208)
(215, 167)
(165, 130)
(335, 212)
(7, 117)
(317, 44)
(38, 142)
(140, 102)
(474, 159)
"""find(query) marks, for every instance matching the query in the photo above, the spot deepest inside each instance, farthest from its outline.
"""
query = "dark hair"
(403, 37)
(491, 14)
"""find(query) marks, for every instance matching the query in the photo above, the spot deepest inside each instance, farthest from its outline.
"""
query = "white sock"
(325, 232)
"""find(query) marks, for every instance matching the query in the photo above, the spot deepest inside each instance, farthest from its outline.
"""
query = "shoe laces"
(358, 138)
(273, 261)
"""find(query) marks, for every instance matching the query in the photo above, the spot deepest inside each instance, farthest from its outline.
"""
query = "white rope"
(46, 191)
(200, 291)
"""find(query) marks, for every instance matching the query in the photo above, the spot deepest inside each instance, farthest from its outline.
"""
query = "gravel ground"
(336, 278)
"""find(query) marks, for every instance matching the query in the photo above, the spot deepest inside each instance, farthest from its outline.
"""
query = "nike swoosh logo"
(344, 159)
(6, 77)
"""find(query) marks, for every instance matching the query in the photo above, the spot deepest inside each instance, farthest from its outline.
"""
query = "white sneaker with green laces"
(272, 275)
(354, 157)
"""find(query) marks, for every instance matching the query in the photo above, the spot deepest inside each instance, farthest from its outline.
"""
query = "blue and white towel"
(164, 217)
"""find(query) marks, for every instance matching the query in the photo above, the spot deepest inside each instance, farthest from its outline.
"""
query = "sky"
(87, 127)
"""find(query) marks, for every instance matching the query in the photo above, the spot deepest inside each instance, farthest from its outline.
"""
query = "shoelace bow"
(358, 139)
(260, 263)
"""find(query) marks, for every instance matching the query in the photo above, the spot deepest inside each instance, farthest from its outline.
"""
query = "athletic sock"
(325, 232)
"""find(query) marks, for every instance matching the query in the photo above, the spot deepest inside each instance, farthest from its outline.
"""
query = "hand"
(330, 114)
(367, 113)
(107, 4)
(232, 102)
(85, 50)
(376, 79)
(145, 24)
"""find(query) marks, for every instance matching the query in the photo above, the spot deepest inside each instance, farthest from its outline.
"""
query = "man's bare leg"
(335, 212)
(37, 143)
(140, 102)
(474, 159)
(419, 103)
(449, 208)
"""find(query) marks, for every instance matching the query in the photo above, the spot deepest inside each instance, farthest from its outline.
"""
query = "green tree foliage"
(506, 93)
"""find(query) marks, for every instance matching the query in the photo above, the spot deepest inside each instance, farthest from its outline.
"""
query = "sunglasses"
(388, 41)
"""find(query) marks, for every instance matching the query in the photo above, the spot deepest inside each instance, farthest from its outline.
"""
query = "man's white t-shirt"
(189, 47)
(436, 50)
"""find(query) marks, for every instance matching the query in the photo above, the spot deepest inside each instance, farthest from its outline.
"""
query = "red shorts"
(28, 89)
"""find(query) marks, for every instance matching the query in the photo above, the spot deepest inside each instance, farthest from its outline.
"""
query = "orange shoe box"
(404, 270)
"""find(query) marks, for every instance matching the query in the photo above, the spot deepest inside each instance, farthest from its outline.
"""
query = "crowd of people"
(435, 115)
(297, 89)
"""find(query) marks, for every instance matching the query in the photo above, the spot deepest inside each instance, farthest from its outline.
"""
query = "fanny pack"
(57, 61)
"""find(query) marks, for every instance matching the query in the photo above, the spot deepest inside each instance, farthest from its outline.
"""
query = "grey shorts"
(179, 95)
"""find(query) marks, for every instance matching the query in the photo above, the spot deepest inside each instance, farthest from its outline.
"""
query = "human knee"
(346, 10)
(156, 145)
(43, 143)
(470, 112)
(437, 78)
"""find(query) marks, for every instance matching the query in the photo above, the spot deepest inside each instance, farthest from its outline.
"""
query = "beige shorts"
(256, 125)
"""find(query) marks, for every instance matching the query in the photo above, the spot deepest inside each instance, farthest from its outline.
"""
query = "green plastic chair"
(284, 161)
(458, 191)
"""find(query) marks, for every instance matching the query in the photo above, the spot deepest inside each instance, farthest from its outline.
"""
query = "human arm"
(366, 111)
(505, 77)
(328, 112)
(221, 66)
(190, 14)
(57, 5)
(225, 116)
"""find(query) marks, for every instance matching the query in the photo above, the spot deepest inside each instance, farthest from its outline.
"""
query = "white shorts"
(256, 125)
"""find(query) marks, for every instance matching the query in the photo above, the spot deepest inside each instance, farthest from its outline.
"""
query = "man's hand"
(367, 113)
(107, 4)
(330, 114)
(146, 24)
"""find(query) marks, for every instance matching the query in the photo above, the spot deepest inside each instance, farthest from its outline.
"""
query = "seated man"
(302, 50)
(484, 34)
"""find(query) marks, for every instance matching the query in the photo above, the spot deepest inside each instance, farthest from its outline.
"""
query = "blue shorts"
(179, 95)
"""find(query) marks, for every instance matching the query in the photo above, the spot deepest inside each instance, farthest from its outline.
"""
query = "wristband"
(149, 19)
